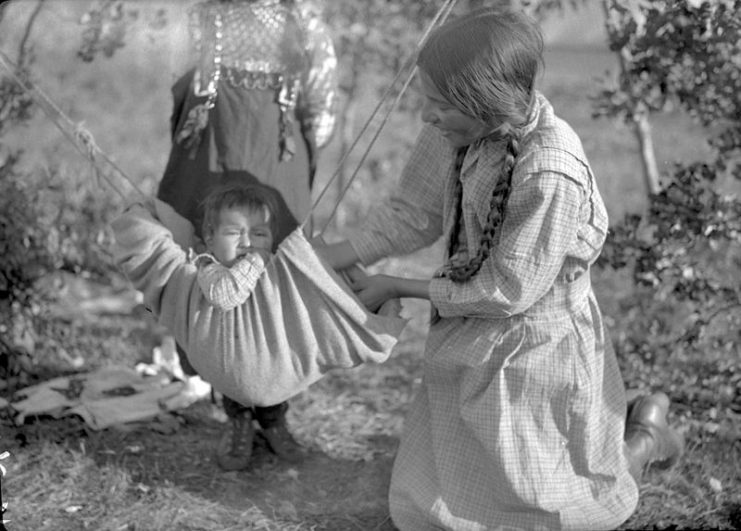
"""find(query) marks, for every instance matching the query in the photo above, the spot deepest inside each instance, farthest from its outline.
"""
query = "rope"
(440, 17)
(80, 137)
(84, 141)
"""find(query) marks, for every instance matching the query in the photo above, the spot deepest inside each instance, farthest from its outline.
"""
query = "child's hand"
(262, 253)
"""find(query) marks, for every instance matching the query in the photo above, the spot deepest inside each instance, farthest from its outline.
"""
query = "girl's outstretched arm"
(375, 290)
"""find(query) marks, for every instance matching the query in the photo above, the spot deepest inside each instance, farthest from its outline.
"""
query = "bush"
(44, 228)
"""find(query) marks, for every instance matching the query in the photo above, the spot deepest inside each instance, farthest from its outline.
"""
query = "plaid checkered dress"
(519, 420)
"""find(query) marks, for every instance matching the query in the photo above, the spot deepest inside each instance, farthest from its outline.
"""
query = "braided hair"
(485, 63)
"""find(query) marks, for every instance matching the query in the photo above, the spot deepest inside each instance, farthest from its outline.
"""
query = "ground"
(348, 425)
(161, 474)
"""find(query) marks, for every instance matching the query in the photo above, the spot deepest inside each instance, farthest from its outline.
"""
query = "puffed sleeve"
(413, 216)
(319, 97)
(228, 287)
(539, 229)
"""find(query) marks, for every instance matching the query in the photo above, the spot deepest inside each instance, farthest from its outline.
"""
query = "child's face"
(458, 128)
(239, 231)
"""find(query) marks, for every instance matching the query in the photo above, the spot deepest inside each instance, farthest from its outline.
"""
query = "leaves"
(685, 249)
(675, 52)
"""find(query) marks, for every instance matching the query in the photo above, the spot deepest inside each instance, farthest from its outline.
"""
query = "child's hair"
(485, 63)
(253, 197)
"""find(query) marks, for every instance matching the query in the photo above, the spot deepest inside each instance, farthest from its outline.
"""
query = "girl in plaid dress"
(521, 420)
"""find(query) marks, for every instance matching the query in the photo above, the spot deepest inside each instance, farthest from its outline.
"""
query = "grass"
(63, 476)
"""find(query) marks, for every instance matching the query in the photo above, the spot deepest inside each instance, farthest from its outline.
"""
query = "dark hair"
(485, 63)
(253, 197)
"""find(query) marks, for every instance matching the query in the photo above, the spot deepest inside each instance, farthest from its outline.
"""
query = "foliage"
(24, 255)
(24, 258)
(42, 229)
(685, 247)
(376, 37)
(678, 52)
(105, 25)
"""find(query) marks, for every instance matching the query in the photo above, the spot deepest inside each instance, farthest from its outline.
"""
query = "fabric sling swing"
(301, 320)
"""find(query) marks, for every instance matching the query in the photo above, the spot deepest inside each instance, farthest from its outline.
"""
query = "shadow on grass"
(322, 492)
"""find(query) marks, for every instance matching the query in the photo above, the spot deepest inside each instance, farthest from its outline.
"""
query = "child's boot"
(282, 443)
(272, 420)
(235, 447)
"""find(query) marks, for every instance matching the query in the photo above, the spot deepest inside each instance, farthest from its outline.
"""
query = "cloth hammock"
(301, 320)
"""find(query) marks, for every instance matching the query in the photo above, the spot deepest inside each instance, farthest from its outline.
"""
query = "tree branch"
(23, 46)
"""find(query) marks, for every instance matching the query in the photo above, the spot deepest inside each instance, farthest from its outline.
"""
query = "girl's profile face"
(239, 231)
(458, 128)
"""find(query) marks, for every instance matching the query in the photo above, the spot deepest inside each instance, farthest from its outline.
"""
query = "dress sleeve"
(228, 287)
(319, 97)
(539, 229)
(412, 218)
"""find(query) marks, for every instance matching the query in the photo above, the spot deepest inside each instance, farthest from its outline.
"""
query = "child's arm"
(228, 287)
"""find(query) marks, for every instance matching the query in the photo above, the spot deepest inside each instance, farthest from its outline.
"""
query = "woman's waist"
(569, 294)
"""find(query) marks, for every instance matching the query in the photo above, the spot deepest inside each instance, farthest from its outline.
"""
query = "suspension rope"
(84, 141)
(80, 137)
(440, 17)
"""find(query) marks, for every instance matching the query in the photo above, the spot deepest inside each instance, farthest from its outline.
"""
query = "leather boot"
(649, 439)
(235, 447)
(282, 443)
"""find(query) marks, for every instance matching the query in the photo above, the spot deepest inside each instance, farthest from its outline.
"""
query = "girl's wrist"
(407, 287)
(396, 290)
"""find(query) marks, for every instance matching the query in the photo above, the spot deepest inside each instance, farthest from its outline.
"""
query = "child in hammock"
(242, 227)
(258, 342)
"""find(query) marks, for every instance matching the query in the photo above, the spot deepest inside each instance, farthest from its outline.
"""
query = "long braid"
(453, 240)
(485, 64)
(497, 205)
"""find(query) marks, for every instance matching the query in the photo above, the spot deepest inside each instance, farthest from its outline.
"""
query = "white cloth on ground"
(107, 397)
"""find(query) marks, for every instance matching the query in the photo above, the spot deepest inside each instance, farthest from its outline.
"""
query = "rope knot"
(85, 137)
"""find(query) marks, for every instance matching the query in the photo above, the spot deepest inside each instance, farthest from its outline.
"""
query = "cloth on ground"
(104, 398)
(300, 322)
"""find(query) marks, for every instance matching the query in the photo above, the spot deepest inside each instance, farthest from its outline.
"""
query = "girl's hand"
(374, 291)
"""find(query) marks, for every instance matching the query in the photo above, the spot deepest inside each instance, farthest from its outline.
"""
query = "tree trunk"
(639, 118)
(642, 129)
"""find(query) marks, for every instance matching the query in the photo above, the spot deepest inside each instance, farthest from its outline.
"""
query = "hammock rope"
(79, 136)
(84, 141)
(440, 17)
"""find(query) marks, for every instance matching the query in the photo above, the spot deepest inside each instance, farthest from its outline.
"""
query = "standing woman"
(257, 105)
(520, 421)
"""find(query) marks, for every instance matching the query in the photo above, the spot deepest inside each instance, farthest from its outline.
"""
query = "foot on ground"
(235, 447)
(281, 443)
